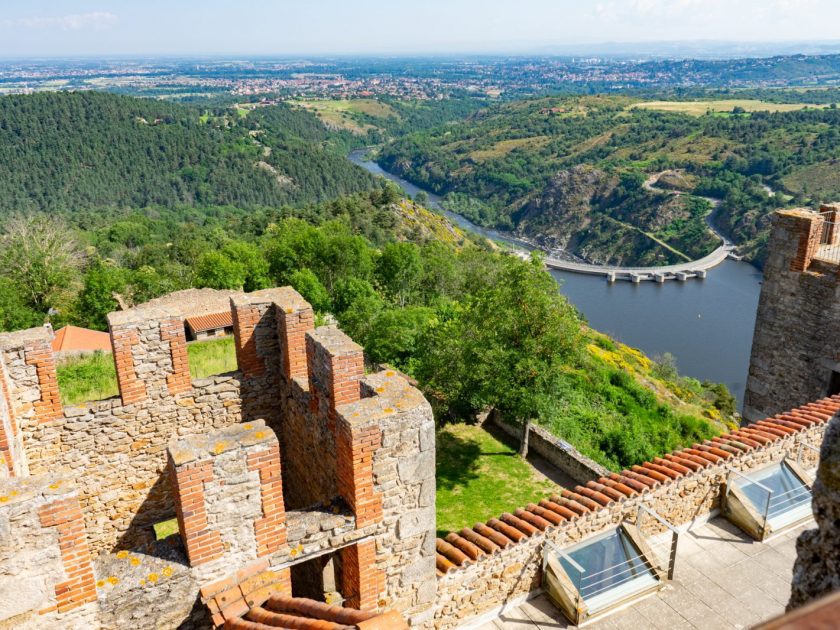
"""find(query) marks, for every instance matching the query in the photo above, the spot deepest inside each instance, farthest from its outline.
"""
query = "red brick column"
(336, 367)
(202, 544)
(362, 581)
(132, 389)
(808, 227)
(39, 353)
(270, 531)
(355, 446)
(245, 320)
(80, 587)
(292, 326)
(172, 330)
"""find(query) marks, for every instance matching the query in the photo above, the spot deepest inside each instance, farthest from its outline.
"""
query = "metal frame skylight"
(768, 500)
(605, 571)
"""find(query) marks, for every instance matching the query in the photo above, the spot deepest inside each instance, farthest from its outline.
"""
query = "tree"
(507, 347)
(253, 262)
(398, 270)
(41, 257)
(96, 299)
(307, 284)
(216, 271)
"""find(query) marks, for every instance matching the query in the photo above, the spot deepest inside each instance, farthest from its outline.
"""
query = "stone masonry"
(297, 455)
(817, 569)
(796, 345)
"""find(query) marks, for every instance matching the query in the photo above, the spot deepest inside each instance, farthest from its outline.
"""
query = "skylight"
(607, 569)
(768, 500)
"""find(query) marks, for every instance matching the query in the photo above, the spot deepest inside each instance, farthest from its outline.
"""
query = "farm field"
(699, 108)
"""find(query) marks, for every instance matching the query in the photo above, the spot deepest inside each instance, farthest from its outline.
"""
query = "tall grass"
(93, 377)
(87, 378)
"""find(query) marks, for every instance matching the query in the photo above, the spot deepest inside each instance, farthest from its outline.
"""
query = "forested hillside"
(512, 166)
(477, 327)
(70, 152)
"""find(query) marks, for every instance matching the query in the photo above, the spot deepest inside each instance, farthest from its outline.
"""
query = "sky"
(66, 28)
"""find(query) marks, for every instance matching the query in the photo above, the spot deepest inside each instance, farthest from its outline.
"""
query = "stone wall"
(817, 569)
(492, 580)
(295, 455)
(796, 345)
(554, 450)
(45, 565)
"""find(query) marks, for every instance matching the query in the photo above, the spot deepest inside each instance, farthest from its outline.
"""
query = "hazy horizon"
(264, 28)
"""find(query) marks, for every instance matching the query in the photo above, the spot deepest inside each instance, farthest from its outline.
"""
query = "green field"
(480, 476)
(699, 108)
(344, 114)
(93, 377)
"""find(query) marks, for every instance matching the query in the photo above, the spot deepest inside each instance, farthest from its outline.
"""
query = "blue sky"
(118, 27)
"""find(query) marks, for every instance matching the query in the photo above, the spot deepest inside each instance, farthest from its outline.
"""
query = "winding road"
(681, 271)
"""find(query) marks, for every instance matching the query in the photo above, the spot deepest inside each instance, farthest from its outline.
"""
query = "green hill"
(66, 152)
(513, 166)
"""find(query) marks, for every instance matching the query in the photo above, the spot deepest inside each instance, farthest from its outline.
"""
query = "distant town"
(414, 78)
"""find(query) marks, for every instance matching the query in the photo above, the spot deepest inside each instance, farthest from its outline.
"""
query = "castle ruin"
(297, 461)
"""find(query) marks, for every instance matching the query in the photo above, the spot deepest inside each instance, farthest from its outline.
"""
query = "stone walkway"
(723, 580)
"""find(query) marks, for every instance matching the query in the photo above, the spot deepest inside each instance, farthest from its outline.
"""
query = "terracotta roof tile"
(482, 542)
(212, 321)
(473, 551)
(252, 601)
(75, 339)
(533, 519)
(558, 509)
(595, 495)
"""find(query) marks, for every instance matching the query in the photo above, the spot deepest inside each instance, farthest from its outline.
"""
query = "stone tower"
(796, 346)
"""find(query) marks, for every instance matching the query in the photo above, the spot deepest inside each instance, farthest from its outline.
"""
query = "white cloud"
(76, 21)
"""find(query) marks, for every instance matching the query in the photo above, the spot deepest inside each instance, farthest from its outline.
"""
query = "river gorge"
(706, 324)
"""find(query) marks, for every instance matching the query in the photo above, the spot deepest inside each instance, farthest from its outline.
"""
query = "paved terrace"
(723, 580)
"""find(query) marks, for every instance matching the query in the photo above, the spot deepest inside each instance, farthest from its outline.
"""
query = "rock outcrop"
(817, 569)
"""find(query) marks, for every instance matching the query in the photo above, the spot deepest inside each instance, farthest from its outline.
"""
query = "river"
(706, 324)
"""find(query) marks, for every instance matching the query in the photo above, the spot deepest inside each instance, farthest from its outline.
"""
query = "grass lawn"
(699, 108)
(93, 377)
(480, 476)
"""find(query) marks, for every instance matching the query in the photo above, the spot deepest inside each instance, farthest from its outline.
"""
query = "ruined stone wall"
(356, 454)
(554, 450)
(45, 565)
(796, 345)
(478, 587)
(116, 448)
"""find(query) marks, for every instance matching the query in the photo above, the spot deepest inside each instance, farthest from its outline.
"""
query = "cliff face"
(597, 216)
(817, 569)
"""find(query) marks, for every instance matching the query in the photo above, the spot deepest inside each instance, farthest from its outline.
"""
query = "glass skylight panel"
(607, 569)
(778, 491)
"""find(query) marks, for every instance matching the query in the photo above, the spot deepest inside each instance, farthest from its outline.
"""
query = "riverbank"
(707, 326)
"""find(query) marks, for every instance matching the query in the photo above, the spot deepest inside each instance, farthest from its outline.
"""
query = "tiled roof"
(73, 338)
(254, 601)
(212, 321)
(469, 545)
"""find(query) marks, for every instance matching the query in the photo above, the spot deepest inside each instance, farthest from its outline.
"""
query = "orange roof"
(200, 323)
(73, 338)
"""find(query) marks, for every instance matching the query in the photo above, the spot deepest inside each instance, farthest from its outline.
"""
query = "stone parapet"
(29, 387)
(228, 493)
(44, 557)
(150, 354)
